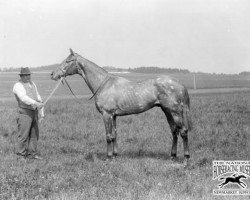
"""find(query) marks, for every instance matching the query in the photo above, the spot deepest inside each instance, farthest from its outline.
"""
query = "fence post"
(194, 82)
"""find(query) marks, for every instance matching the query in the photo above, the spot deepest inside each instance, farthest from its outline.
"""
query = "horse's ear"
(71, 52)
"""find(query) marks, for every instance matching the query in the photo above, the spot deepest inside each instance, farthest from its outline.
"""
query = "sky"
(199, 35)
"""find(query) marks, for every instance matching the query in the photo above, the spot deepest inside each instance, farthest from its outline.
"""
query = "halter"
(81, 73)
(65, 80)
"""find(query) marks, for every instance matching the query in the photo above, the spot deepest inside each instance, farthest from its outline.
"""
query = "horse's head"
(68, 67)
(242, 176)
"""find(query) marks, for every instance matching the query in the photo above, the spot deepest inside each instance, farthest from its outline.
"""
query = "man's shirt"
(20, 92)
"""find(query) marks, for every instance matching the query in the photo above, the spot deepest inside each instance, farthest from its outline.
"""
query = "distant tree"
(10, 69)
(245, 73)
(45, 68)
(156, 70)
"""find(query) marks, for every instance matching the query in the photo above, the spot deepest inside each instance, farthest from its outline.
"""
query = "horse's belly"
(135, 102)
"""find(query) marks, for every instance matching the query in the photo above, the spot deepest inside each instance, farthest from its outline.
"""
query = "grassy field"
(72, 141)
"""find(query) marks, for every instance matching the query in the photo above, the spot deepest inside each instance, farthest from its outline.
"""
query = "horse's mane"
(98, 68)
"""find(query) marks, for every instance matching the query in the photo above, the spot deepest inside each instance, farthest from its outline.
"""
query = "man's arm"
(19, 90)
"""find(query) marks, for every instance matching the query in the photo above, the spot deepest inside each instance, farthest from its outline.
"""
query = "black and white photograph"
(124, 99)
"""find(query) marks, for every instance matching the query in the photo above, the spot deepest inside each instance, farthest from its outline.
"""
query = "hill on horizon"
(144, 70)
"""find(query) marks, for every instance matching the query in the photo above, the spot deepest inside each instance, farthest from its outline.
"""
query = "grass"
(72, 141)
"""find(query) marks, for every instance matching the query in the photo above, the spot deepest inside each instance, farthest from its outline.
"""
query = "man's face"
(25, 78)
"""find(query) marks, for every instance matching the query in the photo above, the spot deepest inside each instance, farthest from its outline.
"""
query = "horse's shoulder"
(116, 82)
(120, 80)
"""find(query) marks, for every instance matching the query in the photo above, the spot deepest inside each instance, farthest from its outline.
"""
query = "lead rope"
(94, 93)
(103, 83)
(75, 97)
(53, 91)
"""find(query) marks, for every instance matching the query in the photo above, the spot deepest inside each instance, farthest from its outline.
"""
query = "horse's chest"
(105, 104)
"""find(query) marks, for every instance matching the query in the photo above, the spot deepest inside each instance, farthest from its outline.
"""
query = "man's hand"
(38, 105)
(41, 119)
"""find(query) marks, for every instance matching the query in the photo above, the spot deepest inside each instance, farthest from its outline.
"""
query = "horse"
(117, 96)
(234, 179)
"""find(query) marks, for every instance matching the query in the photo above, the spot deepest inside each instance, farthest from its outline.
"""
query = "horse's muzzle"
(53, 77)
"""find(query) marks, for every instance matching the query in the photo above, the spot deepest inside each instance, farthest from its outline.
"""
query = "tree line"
(144, 69)
(149, 70)
(244, 73)
(154, 70)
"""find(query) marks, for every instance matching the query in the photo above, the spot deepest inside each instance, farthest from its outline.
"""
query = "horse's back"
(148, 89)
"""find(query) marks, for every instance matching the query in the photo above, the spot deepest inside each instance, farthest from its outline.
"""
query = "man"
(29, 107)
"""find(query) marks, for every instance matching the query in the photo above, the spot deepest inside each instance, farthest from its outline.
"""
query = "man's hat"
(24, 71)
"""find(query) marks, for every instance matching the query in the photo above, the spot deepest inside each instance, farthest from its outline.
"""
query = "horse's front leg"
(242, 184)
(108, 122)
(114, 133)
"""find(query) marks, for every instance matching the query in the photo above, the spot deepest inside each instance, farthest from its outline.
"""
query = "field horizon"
(45, 84)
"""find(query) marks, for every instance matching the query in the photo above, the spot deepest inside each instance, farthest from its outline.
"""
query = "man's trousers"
(28, 132)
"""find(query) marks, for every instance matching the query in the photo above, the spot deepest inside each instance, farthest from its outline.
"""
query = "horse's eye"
(67, 61)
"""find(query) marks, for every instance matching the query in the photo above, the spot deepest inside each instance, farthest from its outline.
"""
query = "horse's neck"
(94, 75)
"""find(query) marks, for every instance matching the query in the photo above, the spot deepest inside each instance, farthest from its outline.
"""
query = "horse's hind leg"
(221, 185)
(174, 142)
(174, 132)
(242, 184)
(177, 125)
(183, 130)
(184, 135)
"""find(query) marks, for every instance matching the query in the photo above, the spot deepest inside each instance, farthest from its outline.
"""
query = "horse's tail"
(186, 111)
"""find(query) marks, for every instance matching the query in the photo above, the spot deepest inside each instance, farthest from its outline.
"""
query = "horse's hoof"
(186, 159)
(173, 158)
(110, 158)
(186, 163)
(115, 154)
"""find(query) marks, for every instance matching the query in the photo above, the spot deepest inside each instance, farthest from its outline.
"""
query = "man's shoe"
(36, 157)
(21, 156)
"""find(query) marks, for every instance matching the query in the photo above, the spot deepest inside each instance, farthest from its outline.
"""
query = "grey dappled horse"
(116, 96)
